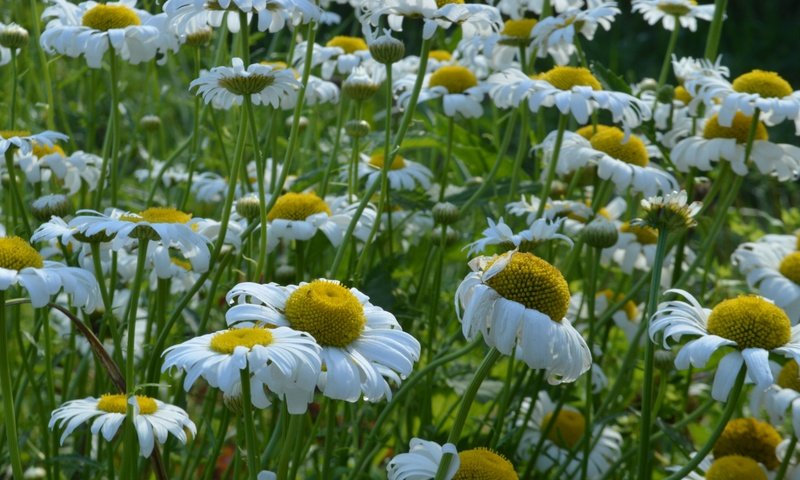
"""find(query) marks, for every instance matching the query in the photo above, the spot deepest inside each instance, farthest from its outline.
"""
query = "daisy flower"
(730, 466)
(627, 318)
(636, 248)
(768, 331)
(403, 173)
(573, 90)
(555, 35)
(299, 216)
(687, 12)
(569, 426)
(772, 266)
(154, 420)
(21, 264)
(518, 8)
(339, 56)
(271, 15)
(363, 346)
(517, 300)
(540, 231)
(25, 141)
(760, 90)
(226, 86)
(778, 398)
(729, 143)
(457, 87)
(576, 214)
(474, 19)
(423, 459)
(670, 212)
(72, 170)
(286, 361)
(168, 226)
(90, 29)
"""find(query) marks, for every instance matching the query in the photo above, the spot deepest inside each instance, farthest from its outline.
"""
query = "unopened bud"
(51, 205)
(600, 233)
(13, 36)
(445, 213)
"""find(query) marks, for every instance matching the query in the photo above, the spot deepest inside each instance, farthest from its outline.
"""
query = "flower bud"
(357, 128)
(445, 213)
(387, 49)
(150, 123)
(51, 205)
(249, 207)
(666, 94)
(600, 233)
(359, 86)
(199, 38)
(13, 36)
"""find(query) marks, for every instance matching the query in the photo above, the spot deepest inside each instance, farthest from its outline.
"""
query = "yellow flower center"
(227, 341)
(246, 85)
(568, 428)
(735, 467)
(682, 94)
(765, 84)
(644, 235)
(790, 267)
(484, 464)
(376, 160)
(158, 215)
(107, 17)
(328, 311)
(14, 133)
(675, 9)
(455, 78)
(44, 150)
(609, 141)
(531, 281)
(442, 3)
(119, 404)
(348, 44)
(564, 78)
(16, 254)
(751, 438)
(588, 131)
(440, 55)
(182, 263)
(519, 28)
(298, 206)
(789, 376)
(629, 307)
(751, 322)
(739, 129)
(276, 65)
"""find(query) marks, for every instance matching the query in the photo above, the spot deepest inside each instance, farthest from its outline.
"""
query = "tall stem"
(13, 114)
(249, 430)
(286, 454)
(787, 458)
(715, 30)
(115, 133)
(551, 168)
(15, 193)
(673, 40)
(10, 416)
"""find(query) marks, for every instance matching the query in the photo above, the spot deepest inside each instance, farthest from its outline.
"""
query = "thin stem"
(13, 115)
(15, 193)
(787, 458)
(730, 407)
(673, 40)
(9, 415)
(249, 427)
(330, 434)
(451, 123)
(286, 454)
(131, 443)
(593, 259)
(715, 30)
(551, 168)
(522, 149)
(115, 133)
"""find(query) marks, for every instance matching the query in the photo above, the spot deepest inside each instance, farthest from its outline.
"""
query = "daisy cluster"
(402, 239)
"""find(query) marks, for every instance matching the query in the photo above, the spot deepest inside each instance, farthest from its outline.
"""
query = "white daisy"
(573, 90)
(568, 427)
(154, 420)
(423, 459)
(518, 8)
(540, 231)
(576, 214)
(459, 89)
(299, 216)
(73, 170)
(687, 12)
(627, 318)
(21, 264)
(363, 346)
(403, 173)
(772, 266)
(768, 331)
(271, 15)
(636, 249)
(25, 141)
(339, 56)
(517, 300)
(90, 29)
(474, 19)
(780, 397)
(555, 35)
(286, 361)
(226, 86)
(685, 68)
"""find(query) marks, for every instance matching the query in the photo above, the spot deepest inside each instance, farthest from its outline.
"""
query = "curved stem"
(522, 149)
(787, 458)
(9, 415)
(249, 430)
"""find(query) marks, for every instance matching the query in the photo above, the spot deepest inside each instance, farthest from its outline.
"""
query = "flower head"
(670, 212)
(263, 84)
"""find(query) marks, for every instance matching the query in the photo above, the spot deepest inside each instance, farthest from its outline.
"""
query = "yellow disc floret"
(442, 3)
(298, 206)
(107, 17)
(610, 141)
(227, 341)
(790, 267)
(159, 215)
(588, 131)
(377, 161)
(44, 150)
(348, 44)
(531, 281)
(16, 254)
(675, 9)
(644, 234)
(440, 55)
(682, 94)
(119, 404)
(14, 133)
(564, 78)
(484, 464)
(629, 307)
(751, 322)
(765, 84)
(455, 78)
(735, 467)
(331, 313)
(789, 376)
(751, 438)
(520, 28)
(568, 428)
(739, 129)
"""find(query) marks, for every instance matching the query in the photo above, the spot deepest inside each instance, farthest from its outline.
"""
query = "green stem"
(551, 168)
(730, 407)
(787, 458)
(131, 442)
(13, 115)
(261, 162)
(673, 40)
(294, 427)
(464, 407)
(330, 437)
(9, 415)
(715, 30)
(522, 149)
(115, 133)
(15, 193)
(646, 421)
(249, 427)
(447, 156)
(593, 259)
